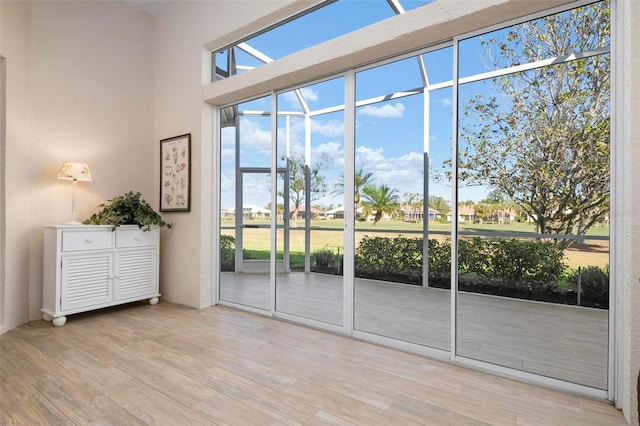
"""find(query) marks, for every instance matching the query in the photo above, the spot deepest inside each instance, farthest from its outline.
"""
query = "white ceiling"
(151, 7)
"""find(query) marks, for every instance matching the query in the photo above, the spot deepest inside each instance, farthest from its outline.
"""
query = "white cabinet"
(89, 267)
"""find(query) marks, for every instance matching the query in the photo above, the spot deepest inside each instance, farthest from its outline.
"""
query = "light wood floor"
(168, 364)
(563, 342)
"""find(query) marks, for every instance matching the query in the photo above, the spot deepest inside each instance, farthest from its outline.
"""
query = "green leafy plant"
(396, 259)
(439, 260)
(227, 253)
(127, 209)
(537, 264)
(594, 281)
(325, 257)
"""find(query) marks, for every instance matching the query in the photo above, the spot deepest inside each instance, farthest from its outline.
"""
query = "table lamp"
(74, 172)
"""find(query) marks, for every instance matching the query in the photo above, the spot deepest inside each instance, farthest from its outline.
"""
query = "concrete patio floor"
(559, 341)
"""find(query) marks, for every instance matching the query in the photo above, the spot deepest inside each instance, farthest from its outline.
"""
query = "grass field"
(590, 253)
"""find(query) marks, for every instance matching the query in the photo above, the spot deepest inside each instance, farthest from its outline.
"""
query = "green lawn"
(592, 253)
(400, 226)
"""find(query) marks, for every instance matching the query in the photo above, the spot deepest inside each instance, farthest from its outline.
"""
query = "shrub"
(594, 281)
(439, 259)
(474, 256)
(325, 257)
(537, 264)
(227, 253)
(396, 259)
(514, 263)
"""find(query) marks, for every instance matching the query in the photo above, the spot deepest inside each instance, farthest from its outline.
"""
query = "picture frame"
(175, 174)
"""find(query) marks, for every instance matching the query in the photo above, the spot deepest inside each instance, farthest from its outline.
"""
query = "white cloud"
(446, 102)
(328, 128)
(331, 153)
(383, 111)
(227, 154)
(368, 157)
(308, 94)
(404, 173)
(253, 138)
(228, 136)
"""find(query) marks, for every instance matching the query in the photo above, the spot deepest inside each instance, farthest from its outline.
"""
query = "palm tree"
(380, 199)
(361, 179)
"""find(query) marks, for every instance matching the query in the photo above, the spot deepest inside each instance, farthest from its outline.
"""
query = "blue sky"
(389, 134)
(389, 141)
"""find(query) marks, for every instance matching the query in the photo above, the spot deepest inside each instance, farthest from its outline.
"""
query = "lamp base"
(73, 222)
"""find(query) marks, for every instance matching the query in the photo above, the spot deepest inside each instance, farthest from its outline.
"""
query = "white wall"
(79, 88)
(15, 47)
(628, 274)
(180, 70)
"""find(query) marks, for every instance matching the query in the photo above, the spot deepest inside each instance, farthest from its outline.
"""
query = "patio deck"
(559, 341)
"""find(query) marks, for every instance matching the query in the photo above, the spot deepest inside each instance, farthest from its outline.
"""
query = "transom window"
(332, 19)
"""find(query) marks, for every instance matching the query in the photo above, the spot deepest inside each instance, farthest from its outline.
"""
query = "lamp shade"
(74, 171)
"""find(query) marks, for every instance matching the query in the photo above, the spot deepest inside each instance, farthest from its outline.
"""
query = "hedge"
(532, 264)
(531, 269)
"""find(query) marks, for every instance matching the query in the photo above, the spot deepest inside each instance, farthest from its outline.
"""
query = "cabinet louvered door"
(135, 274)
(86, 281)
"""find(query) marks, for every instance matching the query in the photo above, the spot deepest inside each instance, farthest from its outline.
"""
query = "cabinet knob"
(88, 240)
(136, 238)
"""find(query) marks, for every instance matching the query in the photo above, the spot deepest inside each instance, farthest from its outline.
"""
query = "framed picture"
(175, 174)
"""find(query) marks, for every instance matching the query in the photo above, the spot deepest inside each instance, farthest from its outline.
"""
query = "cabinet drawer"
(86, 240)
(136, 237)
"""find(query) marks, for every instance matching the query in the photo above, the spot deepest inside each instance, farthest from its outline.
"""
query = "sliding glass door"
(310, 233)
(401, 118)
(245, 218)
(533, 148)
(452, 202)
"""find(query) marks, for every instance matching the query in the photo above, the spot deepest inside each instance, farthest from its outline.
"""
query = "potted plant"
(127, 209)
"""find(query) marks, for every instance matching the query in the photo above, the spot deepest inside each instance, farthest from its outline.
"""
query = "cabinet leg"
(59, 321)
(154, 301)
(47, 317)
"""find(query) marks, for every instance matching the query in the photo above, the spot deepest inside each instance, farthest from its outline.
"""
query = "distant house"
(410, 213)
(335, 213)
(338, 213)
(302, 211)
(434, 214)
(466, 213)
(249, 212)
(503, 216)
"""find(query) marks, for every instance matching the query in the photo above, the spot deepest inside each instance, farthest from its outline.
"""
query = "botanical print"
(175, 173)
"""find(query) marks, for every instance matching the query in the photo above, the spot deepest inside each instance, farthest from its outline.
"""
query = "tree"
(440, 204)
(361, 179)
(411, 205)
(379, 199)
(297, 179)
(279, 208)
(483, 211)
(541, 137)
